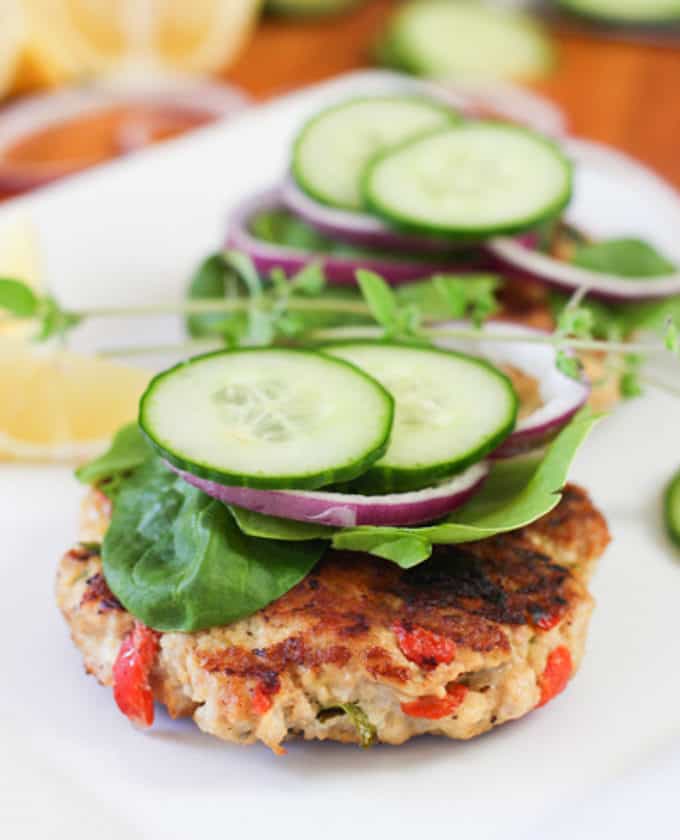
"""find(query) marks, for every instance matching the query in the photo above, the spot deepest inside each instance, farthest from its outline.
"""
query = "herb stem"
(464, 334)
(207, 307)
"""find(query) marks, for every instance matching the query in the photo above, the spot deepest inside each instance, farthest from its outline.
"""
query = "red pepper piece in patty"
(554, 679)
(131, 670)
(435, 708)
(425, 648)
(262, 699)
(549, 620)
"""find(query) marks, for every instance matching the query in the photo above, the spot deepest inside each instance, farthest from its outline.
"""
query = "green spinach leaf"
(274, 528)
(177, 560)
(516, 493)
(631, 258)
(129, 450)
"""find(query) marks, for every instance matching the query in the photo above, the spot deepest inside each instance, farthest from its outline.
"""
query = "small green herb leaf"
(54, 320)
(630, 258)
(380, 298)
(672, 336)
(471, 296)
(309, 281)
(576, 321)
(17, 298)
(365, 730)
(227, 276)
(569, 364)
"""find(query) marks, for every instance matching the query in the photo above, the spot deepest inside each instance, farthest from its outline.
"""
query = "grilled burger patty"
(478, 635)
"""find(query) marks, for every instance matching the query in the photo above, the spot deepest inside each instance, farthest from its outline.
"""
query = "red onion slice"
(343, 510)
(561, 395)
(337, 269)
(42, 111)
(358, 228)
(659, 210)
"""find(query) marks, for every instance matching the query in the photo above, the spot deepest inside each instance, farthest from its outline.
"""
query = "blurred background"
(82, 81)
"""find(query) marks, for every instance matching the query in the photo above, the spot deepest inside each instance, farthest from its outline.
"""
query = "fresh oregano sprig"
(297, 309)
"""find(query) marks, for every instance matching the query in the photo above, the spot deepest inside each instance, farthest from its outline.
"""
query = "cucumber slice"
(267, 417)
(625, 11)
(472, 180)
(466, 40)
(310, 8)
(451, 411)
(672, 509)
(333, 148)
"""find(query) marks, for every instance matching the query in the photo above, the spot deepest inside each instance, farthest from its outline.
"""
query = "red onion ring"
(344, 510)
(516, 260)
(358, 228)
(337, 269)
(562, 396)
(39, 112)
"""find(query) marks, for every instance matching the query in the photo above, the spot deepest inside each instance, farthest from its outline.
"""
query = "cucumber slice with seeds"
(333, 148)
(450, 411)
(470, 181)
(268, 418)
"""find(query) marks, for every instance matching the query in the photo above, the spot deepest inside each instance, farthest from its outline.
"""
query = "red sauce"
(425, 648)
(73, 144)
(554, 679)
(436, 708)
(131, 671)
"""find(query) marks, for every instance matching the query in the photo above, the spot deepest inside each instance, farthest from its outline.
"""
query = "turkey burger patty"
(362, 650)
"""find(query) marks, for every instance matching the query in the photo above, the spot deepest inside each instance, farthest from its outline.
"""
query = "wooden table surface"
(624, 94)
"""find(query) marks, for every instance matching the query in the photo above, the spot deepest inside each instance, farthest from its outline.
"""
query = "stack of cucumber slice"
(417, 167)
(382, 418)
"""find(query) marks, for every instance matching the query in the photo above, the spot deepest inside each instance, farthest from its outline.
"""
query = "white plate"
(132, 231)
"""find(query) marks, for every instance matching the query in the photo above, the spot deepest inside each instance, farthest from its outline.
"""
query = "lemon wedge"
(56, 405)
(72, 39)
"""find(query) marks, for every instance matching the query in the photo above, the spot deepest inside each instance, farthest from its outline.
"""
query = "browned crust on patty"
(504, 603)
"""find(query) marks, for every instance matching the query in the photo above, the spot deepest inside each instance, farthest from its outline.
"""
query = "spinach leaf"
(516, 493)
(129, 449)
(632, 258)
(273, 528)
(176, 559)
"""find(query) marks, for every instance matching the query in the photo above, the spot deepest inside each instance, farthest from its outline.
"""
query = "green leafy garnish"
(177, 560)
(397, 319)
(227, 276)
(631, 258)
(17, 298)
(516, 493)
(365, 730)
(128, 451)
(274, 528)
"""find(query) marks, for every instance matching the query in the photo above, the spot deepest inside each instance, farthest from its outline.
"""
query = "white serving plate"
(70, 764)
